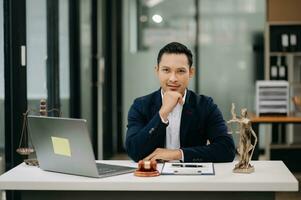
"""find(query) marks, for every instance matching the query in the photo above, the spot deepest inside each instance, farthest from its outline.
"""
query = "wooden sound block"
(147, 169)
(146, 174)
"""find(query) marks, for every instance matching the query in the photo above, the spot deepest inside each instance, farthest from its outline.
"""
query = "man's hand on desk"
(165, 154)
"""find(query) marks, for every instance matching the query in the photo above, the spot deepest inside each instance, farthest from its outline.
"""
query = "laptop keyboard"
(102, 170)
(112, 169)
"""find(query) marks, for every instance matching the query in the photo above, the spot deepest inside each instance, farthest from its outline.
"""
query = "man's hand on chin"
(165, 154)
(169, 101)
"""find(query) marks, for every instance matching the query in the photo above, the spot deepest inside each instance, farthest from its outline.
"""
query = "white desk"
(269, 177)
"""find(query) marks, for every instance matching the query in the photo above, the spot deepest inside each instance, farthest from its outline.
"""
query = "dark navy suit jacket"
(201, 120)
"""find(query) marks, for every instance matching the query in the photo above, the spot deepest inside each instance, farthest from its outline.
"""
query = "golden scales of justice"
(25, 145)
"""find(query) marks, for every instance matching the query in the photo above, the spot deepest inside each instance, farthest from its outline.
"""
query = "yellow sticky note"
(61, 146)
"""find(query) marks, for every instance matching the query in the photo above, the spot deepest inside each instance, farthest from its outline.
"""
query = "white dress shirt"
(173, 128)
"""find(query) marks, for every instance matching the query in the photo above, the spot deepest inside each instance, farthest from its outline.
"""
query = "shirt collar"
(184, 97)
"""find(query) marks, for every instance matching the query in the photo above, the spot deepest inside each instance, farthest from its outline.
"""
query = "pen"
(186, 165)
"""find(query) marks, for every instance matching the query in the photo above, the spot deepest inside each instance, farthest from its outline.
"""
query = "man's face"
(174, 72)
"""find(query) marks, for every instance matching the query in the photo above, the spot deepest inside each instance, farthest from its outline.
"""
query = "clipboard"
(171, 168)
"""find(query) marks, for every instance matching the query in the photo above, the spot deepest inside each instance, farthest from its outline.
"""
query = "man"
(175, 123)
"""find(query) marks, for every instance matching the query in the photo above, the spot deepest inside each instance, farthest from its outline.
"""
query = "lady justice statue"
(245, 146)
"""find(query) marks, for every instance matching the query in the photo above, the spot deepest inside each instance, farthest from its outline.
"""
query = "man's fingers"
(157, 157)
(180, 100)
(153, 158)
(149, 157)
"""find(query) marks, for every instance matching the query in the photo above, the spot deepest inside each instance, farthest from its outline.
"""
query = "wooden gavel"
(147, 166)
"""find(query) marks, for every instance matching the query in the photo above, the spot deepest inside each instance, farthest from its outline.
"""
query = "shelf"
(275, 119)
(285, 53)
(284, 23)
(285, 146)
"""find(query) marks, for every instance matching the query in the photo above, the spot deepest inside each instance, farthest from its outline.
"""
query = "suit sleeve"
(221, 147)
(143, 135)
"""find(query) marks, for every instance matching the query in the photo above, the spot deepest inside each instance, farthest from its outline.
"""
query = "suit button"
(151, 131)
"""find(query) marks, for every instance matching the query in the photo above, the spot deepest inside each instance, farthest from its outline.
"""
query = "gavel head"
(147, 165)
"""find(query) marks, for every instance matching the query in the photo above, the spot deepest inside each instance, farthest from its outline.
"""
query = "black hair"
(175, 48)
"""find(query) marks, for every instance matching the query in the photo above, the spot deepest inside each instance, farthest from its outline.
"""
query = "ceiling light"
(157, 18)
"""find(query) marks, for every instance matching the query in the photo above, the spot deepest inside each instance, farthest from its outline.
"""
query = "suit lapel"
(157, 102)
(187, 116)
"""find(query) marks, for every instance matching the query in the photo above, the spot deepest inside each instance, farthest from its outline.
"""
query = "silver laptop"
(63, 145)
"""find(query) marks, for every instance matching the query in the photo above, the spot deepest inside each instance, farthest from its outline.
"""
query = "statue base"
(248, 170)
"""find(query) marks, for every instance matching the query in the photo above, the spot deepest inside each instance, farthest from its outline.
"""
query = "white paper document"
(188, 168)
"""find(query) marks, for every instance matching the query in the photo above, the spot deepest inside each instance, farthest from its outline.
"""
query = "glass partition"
(36, 25)
(161, 22)
(37, 53)
(64, 57)
(85, 61)
(228, 33)
(2, 111)
(147, 27)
